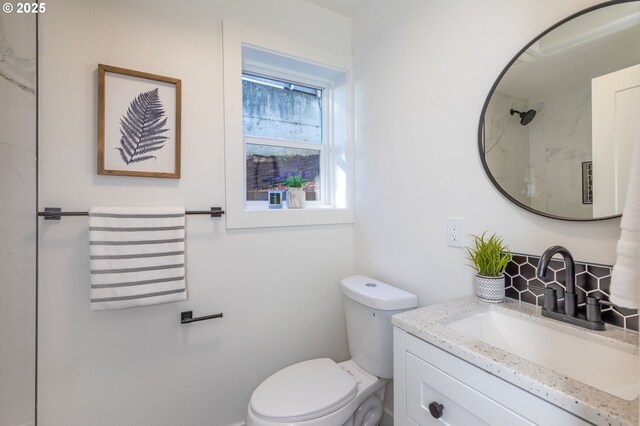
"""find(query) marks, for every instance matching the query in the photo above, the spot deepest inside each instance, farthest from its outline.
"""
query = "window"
(283, 134)
(287, 113)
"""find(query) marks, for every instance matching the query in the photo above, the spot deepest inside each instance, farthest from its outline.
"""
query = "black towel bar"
(187, 317)
(56, 213)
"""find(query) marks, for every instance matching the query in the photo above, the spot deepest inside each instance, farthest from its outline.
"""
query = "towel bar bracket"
(52, 213)
(187, 317)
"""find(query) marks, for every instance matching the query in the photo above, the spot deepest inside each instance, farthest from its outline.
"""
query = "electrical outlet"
(455, 231)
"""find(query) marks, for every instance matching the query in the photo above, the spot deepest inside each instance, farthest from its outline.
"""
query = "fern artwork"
(139, 123)
(142, 128)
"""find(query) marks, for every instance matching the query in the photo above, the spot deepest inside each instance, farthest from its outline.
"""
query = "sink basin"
(611, 369)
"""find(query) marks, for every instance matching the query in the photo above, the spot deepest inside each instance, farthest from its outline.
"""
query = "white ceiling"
(347, 8)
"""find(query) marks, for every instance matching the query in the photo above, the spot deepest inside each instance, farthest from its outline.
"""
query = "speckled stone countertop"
(593, 405)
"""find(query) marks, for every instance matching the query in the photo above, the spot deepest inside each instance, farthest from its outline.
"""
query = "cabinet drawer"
(473, 388)
(462, 405)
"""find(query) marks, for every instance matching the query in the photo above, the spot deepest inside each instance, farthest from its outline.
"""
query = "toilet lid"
(304, 391)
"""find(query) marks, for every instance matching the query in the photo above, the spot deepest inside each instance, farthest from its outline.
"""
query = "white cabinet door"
(461, 404)
(411, 422)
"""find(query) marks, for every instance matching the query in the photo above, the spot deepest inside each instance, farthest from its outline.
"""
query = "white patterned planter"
(490, 289)
(295, 198)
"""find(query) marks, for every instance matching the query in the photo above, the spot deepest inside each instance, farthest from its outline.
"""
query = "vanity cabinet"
(434, 387)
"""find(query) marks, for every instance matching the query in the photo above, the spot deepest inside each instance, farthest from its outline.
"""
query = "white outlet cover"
(455, 231)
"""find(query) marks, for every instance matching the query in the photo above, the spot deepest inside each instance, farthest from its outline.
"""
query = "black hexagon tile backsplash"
(591, 279)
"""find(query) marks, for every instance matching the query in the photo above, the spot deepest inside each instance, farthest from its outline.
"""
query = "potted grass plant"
(489, 257)
(295, 193)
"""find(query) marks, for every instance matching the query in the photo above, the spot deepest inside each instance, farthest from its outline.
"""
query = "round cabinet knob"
(436, 410)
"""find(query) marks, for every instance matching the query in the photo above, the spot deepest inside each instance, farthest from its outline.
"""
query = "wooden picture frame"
(138, 123)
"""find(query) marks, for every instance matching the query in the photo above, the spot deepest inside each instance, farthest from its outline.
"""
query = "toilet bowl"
(321, 392)
(318, 392)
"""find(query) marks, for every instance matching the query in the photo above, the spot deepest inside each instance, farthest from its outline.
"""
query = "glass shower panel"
(17, 218)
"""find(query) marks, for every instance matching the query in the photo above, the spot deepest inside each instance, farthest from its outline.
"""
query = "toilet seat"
(304, 391)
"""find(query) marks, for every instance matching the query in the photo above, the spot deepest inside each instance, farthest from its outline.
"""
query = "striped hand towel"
(137, 256)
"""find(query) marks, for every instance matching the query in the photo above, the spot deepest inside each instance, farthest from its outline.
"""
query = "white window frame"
(337, 203)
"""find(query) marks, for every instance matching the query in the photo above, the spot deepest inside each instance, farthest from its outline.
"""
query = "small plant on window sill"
(294, 181)
(295, 194)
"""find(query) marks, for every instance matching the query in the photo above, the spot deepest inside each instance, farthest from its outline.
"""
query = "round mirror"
(559, 124)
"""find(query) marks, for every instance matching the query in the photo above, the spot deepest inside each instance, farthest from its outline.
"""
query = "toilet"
(321, 392)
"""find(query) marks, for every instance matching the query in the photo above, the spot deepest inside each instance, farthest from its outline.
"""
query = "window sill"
(260, 216)
(252, 206)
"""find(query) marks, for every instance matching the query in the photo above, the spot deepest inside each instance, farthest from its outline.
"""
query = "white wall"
(278, 287)
(422, 72)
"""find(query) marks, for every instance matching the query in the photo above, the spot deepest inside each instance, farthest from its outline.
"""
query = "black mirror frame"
(493, 88)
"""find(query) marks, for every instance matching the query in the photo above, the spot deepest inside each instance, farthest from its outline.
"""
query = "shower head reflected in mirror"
(525, 117)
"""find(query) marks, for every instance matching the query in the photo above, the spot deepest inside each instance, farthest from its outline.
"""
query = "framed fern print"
(138, 123)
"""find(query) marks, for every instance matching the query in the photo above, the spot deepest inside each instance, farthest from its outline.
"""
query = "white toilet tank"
(369, 305)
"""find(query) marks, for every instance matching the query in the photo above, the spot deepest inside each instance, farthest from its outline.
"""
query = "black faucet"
(591, 318)
(570, 296)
